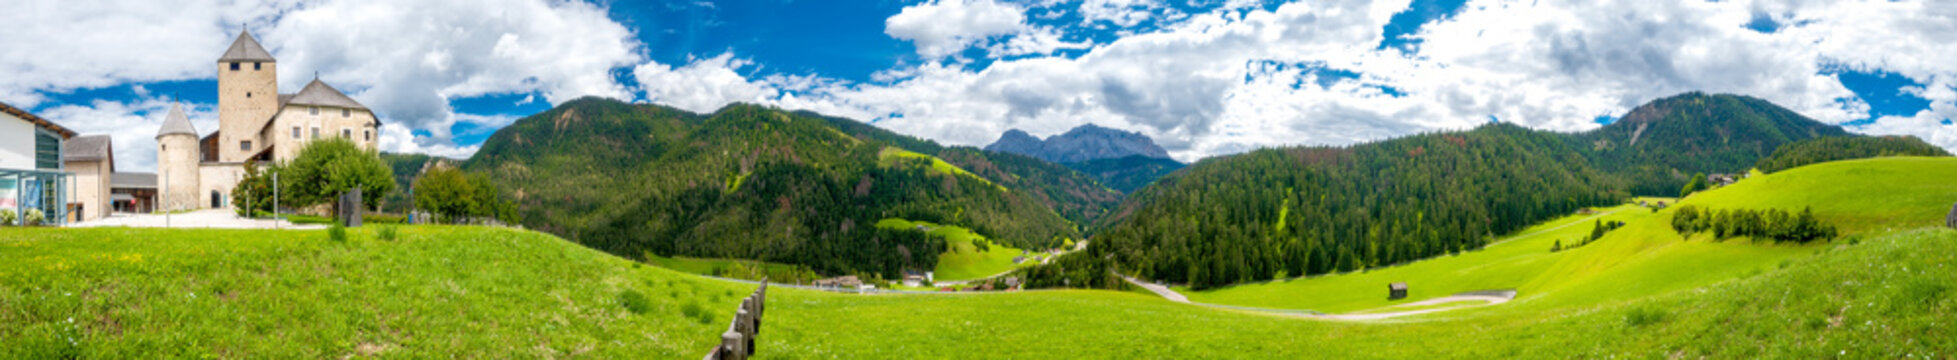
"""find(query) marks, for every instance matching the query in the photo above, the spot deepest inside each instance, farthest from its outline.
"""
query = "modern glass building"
(32, 178)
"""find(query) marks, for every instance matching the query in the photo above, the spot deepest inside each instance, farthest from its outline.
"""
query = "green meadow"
(442, 291)
(962, 260)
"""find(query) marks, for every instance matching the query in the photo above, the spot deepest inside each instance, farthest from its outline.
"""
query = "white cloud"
(941, 28)
(702, 86)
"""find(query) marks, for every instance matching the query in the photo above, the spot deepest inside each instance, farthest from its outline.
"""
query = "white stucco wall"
(91, 188)
(16, 142)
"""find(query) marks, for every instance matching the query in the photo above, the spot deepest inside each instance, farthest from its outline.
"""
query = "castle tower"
(177, 156)
(247, 96)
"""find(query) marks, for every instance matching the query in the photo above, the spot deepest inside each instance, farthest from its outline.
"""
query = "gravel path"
(1486, 297)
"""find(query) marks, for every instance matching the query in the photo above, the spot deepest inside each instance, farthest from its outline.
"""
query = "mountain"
(753, 182)
(1077, 197)
(1314, 210)
(1659, 145)
(1127, 174)
(1083, 143)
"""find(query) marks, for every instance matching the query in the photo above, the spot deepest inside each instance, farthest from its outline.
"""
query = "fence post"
(730, 346)
(745, 320)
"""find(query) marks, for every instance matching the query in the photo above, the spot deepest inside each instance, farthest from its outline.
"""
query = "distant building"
(1723, 179)
(92, 159)
(32, 175)
(843, 282)
(132, 192)
(1396, 291)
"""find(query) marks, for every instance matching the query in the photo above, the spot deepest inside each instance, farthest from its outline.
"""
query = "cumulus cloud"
(60, 45)
(702, 86)
(941, 28)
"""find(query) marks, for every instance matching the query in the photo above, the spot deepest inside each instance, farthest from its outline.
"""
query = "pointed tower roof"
(176, 123)
(317, 93)
(246, 48)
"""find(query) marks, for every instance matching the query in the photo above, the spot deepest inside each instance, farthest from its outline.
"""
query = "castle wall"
(217, 179)
(246, 98)
(176, 172)
(356, 125)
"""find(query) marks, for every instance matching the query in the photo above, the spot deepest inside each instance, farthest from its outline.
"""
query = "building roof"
(37, 120)
(176, 123)
(88, 148)
(122, 180)
(317, 93)
(246, 48)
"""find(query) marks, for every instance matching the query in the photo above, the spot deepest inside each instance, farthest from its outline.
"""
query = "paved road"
(207, 218)
(1164, 291)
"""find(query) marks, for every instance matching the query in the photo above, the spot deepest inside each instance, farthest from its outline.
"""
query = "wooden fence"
(738, 342)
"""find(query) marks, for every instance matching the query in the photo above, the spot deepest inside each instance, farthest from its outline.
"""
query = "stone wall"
(330, 122)
(217, 178)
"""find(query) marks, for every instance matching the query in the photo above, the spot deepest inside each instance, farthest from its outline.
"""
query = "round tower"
(177, 156)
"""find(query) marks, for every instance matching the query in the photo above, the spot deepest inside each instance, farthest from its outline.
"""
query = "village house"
(255, 123)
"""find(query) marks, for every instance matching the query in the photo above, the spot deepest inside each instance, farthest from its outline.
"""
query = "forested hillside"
(1827, 149)
(1658, 146)
(748, 182)
(1313, 210)
(1127, 174)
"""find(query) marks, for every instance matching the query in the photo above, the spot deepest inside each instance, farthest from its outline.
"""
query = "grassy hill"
(962, 259)
(750, 182)
(474, 292)
(1646, 257)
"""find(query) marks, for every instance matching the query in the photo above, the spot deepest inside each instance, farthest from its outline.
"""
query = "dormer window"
(314, 109)
(234, 66)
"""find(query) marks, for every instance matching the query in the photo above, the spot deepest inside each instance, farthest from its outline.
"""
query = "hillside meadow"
(447, 291)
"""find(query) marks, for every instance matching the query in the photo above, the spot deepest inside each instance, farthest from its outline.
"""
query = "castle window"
(257, 66)
(315, 132)
(245, 145)
(346, 112)
(295, 133)
(315, 110)
(234, 66)
(369, 134)
(247, 94)
(346, 133)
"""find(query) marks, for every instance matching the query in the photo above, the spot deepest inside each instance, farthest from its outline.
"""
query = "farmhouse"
(255, 123)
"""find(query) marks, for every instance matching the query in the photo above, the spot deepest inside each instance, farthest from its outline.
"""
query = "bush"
(34, 218)
(337, 233)
(7, 217)
(635, 301)
(1644, 315)
(382, 219)
(389, 233)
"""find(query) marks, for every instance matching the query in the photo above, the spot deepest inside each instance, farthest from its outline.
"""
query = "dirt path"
(1485, 297)
(1164, 291)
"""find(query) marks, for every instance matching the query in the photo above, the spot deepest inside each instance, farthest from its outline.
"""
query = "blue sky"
(1204, 77)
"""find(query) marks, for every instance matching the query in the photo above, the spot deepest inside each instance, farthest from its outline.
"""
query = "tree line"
(1819, 150)
(1774, 224)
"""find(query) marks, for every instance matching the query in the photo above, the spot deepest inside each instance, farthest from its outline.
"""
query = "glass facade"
(47, 151)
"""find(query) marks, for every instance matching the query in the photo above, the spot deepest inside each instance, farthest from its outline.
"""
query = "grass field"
(469, 292)
(961, 260)
(890, 155)
(1645, 257)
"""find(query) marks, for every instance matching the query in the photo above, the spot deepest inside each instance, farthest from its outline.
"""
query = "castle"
(255, 123)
